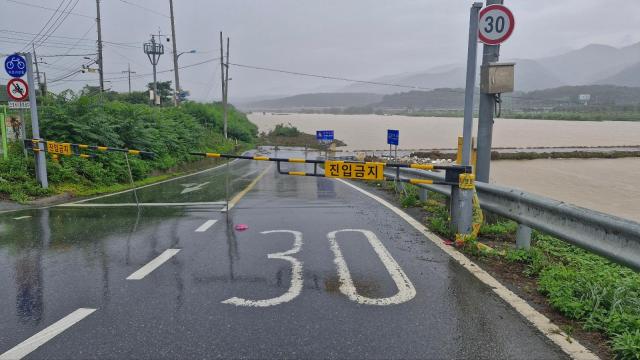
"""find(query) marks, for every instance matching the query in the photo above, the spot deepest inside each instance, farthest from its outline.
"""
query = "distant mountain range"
(590, 65)
(593, 64)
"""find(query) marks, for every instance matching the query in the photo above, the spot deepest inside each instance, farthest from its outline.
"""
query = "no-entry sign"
(17, 89)
(496, 24)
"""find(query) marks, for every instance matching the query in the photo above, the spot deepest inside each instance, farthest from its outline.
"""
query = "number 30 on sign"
(496, 24)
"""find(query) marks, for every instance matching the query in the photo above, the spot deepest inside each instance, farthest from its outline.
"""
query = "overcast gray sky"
(361, 39)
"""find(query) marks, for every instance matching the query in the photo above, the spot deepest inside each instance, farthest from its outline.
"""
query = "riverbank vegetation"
(289, 135)
(169, 132)
(589, 297)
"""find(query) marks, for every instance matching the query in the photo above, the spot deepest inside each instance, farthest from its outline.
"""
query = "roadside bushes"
(170, 132)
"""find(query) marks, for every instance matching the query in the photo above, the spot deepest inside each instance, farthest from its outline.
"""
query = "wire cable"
(328, 77)
(47, 8)
(144, 8)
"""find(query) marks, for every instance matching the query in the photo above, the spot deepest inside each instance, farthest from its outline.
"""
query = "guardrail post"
(461, 210)
(523, 237)
(423, 194)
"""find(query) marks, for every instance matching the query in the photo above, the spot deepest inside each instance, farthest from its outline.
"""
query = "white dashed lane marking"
(204, 227)
(26, 347)
(153, 264)
(22, 217)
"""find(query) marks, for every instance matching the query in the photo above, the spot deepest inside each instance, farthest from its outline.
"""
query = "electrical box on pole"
(497, 78)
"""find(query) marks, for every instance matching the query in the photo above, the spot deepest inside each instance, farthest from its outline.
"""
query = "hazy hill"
(317, 100)
(592, 64)
(453, 99)
(630, 76)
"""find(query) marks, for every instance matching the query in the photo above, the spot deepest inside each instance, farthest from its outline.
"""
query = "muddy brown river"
(607, 185)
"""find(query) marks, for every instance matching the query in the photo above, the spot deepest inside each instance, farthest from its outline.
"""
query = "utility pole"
(35, 59)
(226, 92)
(100, 67)
(176, 92)
(224, 85)
(490, 53)
(41, 161)
(153, 51)
(129, 72)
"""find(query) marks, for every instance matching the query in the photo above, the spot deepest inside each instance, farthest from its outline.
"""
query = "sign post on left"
(17, 66)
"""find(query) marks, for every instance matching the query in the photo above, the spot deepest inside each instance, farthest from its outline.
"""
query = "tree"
(164, 91)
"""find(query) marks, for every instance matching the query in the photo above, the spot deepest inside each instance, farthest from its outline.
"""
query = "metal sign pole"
(461, 200)
(41, 161)
(3, 126)
(490, 53)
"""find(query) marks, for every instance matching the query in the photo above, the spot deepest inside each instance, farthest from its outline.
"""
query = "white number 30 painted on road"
(406, 291)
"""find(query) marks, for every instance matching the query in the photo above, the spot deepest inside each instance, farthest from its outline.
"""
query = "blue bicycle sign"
(15, 65)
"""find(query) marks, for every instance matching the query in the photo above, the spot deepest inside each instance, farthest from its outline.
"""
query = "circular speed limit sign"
(496, 24)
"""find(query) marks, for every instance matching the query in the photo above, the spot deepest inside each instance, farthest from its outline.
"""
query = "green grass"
(499, 228)
(602, 296)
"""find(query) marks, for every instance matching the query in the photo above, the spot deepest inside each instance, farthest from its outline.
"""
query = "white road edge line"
(22, 217)
(26, 347)
(212, 203)
(569, 345)
(153, 264)
(204, 227)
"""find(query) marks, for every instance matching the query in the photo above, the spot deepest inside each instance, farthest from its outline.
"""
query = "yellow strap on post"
(422, 166)
(84, 156)
(134, 152)
(261, 158)
(294, 160)
(420, 181)
(103, 148)
(297, 173)
(83, 146)
(466, 181)
(212, 155)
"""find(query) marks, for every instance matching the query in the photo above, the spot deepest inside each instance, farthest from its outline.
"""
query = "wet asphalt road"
(379, 290)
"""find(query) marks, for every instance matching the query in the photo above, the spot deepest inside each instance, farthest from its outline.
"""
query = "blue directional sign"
(393, 137)
(324, 135)
(15, 65)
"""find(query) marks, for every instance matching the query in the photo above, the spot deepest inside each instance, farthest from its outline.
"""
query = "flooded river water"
(607, 185)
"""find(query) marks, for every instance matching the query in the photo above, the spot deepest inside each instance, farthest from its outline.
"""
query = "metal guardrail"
(610, 236)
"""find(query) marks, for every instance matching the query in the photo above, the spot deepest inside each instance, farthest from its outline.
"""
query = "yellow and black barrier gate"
(69, 149)
(456, 175)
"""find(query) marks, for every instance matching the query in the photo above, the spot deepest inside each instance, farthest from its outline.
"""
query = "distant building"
(584, 98)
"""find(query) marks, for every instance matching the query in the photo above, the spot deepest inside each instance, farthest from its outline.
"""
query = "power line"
(47, 8)
(24, 33)
(150, 74)
(60, 23)
(144, 8)
(63, 55)
(47, 46)
(330, 77)
(45, 25)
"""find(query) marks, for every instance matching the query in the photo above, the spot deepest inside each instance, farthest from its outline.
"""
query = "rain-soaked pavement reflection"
(65, 258)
